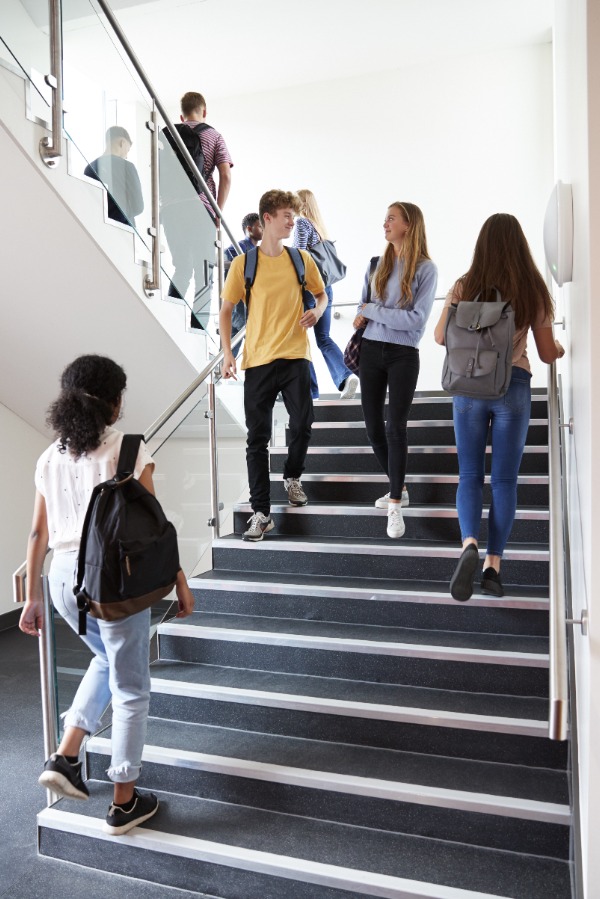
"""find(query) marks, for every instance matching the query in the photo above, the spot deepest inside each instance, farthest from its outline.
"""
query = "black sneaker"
(491, 583)
(118, 821)
(461, 585)
(63, 778)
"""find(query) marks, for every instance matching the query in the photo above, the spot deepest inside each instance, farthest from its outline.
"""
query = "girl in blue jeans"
(85, 454)
(309, 229)
(502, 260)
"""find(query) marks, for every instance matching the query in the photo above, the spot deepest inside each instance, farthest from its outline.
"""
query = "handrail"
(175, 134)
(51, 149)
(558, 698)
(206, 372)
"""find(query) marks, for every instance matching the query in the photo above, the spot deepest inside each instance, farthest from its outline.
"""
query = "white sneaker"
(395, 522)
(383, 501)
(350, 388)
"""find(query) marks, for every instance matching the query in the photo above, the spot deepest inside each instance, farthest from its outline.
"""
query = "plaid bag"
(352, 351)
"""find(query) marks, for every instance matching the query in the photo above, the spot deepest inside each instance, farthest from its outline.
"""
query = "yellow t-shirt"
(275, 308)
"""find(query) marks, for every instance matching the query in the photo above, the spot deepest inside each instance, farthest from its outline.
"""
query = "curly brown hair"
(502, 260)
(92, 387)
(277, 199)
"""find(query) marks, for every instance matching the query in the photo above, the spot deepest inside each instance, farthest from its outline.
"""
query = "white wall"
(19, 450)
(577, 95)
(462, 140)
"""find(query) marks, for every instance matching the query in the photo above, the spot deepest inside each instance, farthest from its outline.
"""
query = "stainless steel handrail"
(559, 687)
(51, 148)
(47, 669)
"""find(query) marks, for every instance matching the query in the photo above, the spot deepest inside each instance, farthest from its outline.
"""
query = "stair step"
(424, 522)
(492, 662)
(423, 407)
(397, 792)
(369, 558)
(256, 853)
(421, 459)
(434, 432)
(429, 488)
(372, 601)
(452, 723)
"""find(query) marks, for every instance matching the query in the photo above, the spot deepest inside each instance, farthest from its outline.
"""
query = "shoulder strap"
(372, 267)
(298, 263)
(199, 126)
(250, 266)
(130, 448)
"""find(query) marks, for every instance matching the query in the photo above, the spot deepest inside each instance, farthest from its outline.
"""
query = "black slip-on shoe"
(491, 583)
(118, 821)
(63, 778)
(461, 585)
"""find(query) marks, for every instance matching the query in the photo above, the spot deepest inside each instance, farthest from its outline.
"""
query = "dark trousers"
(261, 386)
(384, 365)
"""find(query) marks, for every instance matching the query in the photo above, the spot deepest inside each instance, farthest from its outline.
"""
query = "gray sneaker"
(296, 495)
(383, 501)
(259, 525)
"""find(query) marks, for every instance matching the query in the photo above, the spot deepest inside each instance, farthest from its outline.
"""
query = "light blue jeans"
(332, 354)
(506, 420)
(120, 670)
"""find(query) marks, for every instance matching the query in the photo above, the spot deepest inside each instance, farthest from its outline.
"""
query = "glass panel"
(231, 450)
(25, 46)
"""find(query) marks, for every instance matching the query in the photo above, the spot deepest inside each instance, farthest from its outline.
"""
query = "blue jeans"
(238, 321)
(507, 420)
(120, 670)
(332, 354)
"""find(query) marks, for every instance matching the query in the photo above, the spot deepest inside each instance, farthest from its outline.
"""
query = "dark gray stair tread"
(489, 705)
(496, 872)
(368, 584)
(489, 778)
(372, 633)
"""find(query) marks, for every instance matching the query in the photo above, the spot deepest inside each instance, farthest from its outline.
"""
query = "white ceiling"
(228, 47)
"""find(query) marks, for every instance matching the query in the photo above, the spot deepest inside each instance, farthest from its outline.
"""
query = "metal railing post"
(152, 282)
(558, 699)
(213, 459)
(51, 148)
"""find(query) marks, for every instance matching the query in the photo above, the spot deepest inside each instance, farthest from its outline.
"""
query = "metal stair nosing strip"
(364, 450)
(349, 708)
(224, 582)
(368, 509)
(364, 883)
(427, 550)
(345, 644)
(411, 423)
(375, 478)
(371, 787)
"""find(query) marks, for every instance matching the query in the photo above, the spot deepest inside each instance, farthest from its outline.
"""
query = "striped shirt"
(305, 234)
(215, 153)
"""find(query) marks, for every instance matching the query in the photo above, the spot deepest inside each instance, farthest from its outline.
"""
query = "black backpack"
(128, 557)
(190, 135)
(251, 264)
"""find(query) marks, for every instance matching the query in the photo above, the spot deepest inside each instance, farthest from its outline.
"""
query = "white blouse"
(66, 483)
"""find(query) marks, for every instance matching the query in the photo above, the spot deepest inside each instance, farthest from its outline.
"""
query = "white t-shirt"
(66, 483)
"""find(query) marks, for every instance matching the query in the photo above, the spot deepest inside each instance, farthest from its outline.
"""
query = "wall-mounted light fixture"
(558, 233)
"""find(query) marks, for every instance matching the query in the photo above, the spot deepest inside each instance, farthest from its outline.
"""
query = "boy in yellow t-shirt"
(276, 353)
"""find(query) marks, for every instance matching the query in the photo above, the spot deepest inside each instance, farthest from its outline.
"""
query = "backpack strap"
(250, 266)
(298, 263)
(372, 266)
(130, 448)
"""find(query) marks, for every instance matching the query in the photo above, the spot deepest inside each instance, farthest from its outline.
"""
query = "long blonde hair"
(310, 210)
(414, 251)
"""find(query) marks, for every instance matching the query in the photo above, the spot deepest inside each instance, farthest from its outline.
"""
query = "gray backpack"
(479, 347)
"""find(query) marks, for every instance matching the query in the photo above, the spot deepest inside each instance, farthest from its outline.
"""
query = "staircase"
(330, 723)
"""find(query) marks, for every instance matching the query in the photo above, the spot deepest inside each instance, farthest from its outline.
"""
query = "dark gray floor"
(24, 875)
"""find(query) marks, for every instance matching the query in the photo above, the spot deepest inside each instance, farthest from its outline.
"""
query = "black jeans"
(384, 365)
(261, 385)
